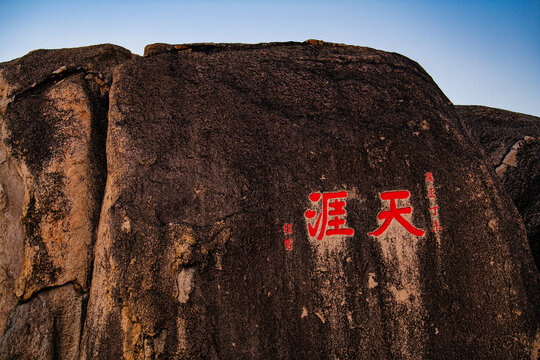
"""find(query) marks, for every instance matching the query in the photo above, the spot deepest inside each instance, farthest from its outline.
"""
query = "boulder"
(511, 142)
(498, 130)
(281, 200)
(221, 162)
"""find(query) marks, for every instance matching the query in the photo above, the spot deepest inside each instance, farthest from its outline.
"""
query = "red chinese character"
(287, 228)
(429, 177)
(395, 213)
(288, 244)
(333, 209)
(436, 227)
(434, 210)
(431, 193)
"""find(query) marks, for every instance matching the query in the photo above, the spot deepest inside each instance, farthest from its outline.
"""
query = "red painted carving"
(331, 219)
(395, 213)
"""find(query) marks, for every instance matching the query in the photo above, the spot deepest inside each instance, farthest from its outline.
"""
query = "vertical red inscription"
(430, 186)
(287, 229)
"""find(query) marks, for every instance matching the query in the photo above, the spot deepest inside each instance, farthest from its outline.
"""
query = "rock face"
(289, 201)
(511, 142)
(46, 327)
(52, 177)
(498, 130)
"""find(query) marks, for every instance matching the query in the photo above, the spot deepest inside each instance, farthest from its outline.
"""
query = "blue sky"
(478, 52)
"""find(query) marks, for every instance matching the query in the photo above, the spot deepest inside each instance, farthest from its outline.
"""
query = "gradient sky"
(478, 52)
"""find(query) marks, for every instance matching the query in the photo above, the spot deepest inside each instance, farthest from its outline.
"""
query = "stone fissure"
(43, 290)
(84, 313)
(99, 150)
(55, 76)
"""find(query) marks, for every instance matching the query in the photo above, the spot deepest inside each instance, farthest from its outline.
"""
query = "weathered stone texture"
(522, 183)
(11, 233)
(211, 149)
(511, 142)
(498, 130)
(52, 173)
(48, 326)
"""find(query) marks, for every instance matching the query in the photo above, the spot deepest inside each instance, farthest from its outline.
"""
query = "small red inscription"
(331, 217)
(288, 244)
(436, 227)
(287, 229)
(435, 212)
(395, 213)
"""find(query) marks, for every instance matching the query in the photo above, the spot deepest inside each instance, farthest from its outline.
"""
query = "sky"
(478, 52)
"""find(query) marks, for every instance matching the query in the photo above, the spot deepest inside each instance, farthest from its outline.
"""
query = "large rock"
(498, 130)
(511, 142)
(53, 118)
(212, 149)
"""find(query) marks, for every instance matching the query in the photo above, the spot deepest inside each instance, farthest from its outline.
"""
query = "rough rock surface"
(48, 326)
(211, 150)
(522, 183)
(52, 175)
(511, 142)
(498, 130)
